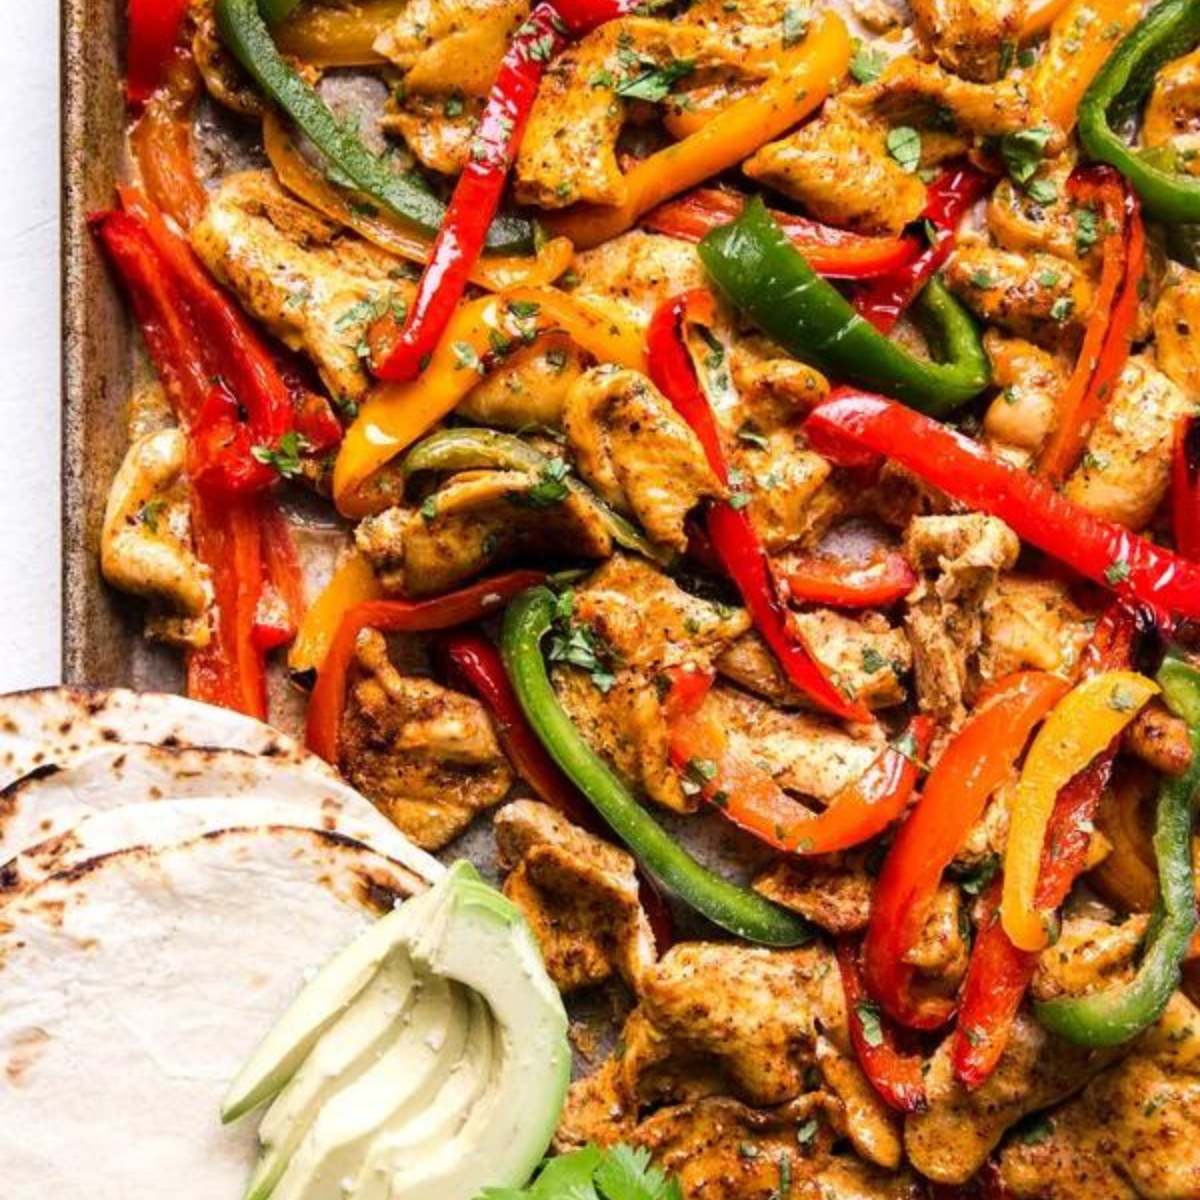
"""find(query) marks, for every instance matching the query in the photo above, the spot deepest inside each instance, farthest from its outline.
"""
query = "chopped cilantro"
(794, 25)
(872, 660)
(1116, 572)
(871, 1021)
(429, 509)
(1062, 308)
(453, 106)
(149, 513)
(904, 145)
(550, 489)
(655, 83)
(867, 64)
(285, 455)
(1022, 152)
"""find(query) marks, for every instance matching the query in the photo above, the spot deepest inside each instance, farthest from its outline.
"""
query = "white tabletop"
(30, 595)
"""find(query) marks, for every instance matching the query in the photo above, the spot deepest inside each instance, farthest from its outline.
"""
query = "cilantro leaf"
(870, 1018)
(550, 489)
(1022, 152)
(655, 83)
(867, 64)
(904, 145)
(285, 456)
(621, 1173)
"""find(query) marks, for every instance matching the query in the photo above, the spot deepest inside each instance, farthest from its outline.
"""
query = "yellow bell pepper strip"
(805, 77)
(338, 37)
(481, 335)
(312, 186)
(1082, 726)
(1082, 37)
(354, 582)
(1039, 17)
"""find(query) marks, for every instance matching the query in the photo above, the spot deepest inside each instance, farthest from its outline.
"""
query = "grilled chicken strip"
(427, 756)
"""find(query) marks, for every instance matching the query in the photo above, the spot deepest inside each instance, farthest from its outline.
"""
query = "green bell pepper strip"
(1167, 32)
(1118, 1013)
(246, 35)
(465, 448)
(733, 908)
(762, 274)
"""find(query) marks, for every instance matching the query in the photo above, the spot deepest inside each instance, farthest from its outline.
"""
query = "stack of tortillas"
(170, 874)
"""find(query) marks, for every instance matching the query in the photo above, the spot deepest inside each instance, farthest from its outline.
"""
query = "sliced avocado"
(481, 940)
(350, 1047)
(395, 1091)
(314, 1010)
(464, 1092)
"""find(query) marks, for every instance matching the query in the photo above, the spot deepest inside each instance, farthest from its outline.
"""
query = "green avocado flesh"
(427, 1061)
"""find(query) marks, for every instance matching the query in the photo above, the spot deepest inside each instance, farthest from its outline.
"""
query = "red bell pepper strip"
(400, 355)
(282, 605)
(896, 1076)
(229, 671)
(236, 352)
(950, 196)
(751, 799)
(980, 758)
(999, 974)
(881, 580)
(582, 16)
(479, 664)
(154, 28)
(834, 253)
(227, 520)
(1112, 321)
(1185, 488)
(1101, 550)
(328, 701)
(729, 529)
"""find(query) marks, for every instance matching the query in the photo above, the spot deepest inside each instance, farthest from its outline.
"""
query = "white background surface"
(29, 346)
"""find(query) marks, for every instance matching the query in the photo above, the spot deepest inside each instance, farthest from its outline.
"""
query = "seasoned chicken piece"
(831, 891)
(529, 388)
(756, 1011)
(959, 559)
(1040, 297)
(806, 754)
(839, 168)
(569, 152)
(146, 540)
(475, 520)
(1159, 738)
(969, 36)
(1024, 414)
(940, 953)
(922, 93)
(626, 726)
(1131, 1134)
(722, 1150)
(864, 654)
(1031, 624)
(427, 756)
(649, 621)
(781, 479)
(1018, 222)
(1176, 327)
(1172, 116)
(951, 1140)
(1088, 955)
(579, 894)
(314, 287)
(450, 52)
(1126, 469)
(772, 390)
(637, 452)
(638, 271)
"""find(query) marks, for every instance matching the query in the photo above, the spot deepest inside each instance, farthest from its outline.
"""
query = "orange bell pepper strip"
(1112, 322)
(1081, 727)
(328, 702)
(303, 179)
(751, 799)
(480, 335)
(978, 760)
(1039, 17)
(321, 36)
(353, 583)
(805, 77)
(1082, 36)
(162, 144)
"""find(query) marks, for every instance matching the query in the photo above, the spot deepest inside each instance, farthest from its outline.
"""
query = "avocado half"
(348, 1119)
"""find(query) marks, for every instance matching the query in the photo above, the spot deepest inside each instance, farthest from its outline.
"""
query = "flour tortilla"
(39, 813)
(59, 726)
(132, 989)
